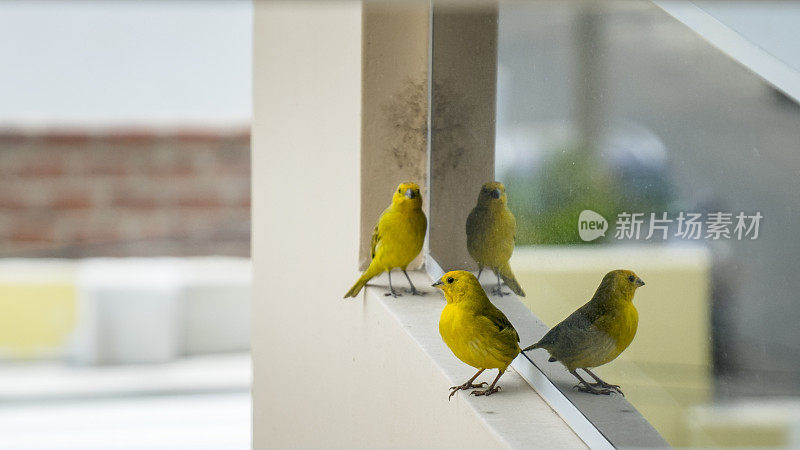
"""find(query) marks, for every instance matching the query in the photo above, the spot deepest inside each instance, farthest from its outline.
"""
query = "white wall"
(370, 372)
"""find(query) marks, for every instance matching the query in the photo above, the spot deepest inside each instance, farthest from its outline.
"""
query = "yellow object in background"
(476, 331)
(38, 310)
(491, 229)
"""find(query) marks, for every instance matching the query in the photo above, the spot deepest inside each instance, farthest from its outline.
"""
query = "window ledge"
(516, 416)
(600, 421)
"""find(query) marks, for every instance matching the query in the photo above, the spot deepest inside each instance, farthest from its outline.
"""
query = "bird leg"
(467, 385)
(498, 291)
(413, 290)
(602, 384)
(480, 269)
(584, 386)
(391, 292)
(491, 389)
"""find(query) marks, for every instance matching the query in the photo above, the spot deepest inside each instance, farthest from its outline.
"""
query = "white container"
(215, 304)
(128, 311)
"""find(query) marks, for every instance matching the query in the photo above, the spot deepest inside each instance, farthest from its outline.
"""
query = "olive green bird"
(597, 332)
(474, 329)
(491, 230)
(397, 238)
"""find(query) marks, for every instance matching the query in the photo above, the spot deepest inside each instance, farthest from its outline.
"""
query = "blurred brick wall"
(124, 193)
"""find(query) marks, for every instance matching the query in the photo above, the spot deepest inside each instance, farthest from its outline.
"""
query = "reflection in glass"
(618, 109)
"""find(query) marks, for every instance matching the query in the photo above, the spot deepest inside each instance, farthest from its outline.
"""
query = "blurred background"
(125, 224)
(619, 107)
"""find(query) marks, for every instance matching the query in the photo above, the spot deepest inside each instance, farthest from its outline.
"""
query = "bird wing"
(495, 341)
(579, 323)
(500, 321)
(376, 238)
(580, 340)
(513, 224)
(472, 222)
(472, 231)
(376, 234)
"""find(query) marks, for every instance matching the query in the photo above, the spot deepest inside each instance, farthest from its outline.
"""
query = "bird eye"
(450, 279)
(631, 278)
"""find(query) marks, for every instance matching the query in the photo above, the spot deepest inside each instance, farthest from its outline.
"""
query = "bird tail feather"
(510, 280)
(368, 274)
(531, 347)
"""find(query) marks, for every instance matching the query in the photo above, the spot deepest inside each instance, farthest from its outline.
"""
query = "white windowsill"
(517, 416)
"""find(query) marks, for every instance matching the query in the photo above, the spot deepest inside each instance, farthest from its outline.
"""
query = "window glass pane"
(619, 109)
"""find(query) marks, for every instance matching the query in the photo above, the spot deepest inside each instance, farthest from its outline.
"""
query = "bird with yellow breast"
(474, 329)
(397, 238)
(597, 332)
(491, 230)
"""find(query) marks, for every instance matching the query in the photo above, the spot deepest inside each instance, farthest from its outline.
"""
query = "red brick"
(198, 136)
(113, 170)
(171, 170)
(71, 200)
(233, 169)
(67, 137)
(130, 137)
(135, 202)
(199, 202)
(32, 233)
(86, 236)
(41, 169)
(13, 137)
(128, 189)
(12, 202)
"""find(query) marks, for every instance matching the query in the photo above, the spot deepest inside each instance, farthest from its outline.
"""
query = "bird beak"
(639, 282)
(410, 193)
(437, 284)
(496, 193)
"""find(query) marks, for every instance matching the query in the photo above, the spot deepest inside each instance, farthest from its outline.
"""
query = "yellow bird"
(597, 332)
(397, 238)
(475, 330)
(491, 229)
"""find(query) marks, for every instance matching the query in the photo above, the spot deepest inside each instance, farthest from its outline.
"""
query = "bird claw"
(393, 294)
(415, 292)
(608, 387)
(499, 292)
(469, 386)
(592, 389)
(485, 391)
(465, 386)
